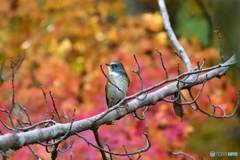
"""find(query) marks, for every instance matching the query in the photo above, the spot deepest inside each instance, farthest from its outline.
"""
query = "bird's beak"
(108, 64)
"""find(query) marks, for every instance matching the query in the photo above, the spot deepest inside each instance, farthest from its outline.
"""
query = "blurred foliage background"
(66, 41)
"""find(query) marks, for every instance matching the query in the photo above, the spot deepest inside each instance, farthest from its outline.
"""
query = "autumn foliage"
(66, 41)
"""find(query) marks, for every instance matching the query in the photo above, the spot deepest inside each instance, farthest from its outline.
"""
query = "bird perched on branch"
(118, 76)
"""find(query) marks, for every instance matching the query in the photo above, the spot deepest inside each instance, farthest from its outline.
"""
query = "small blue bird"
(119, 77)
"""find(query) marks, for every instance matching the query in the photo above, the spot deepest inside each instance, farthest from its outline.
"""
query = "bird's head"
(115, 67)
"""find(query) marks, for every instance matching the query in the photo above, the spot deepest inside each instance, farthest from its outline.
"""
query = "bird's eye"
(115, 65)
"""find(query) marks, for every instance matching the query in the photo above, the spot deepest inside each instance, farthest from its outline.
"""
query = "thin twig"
(6, 126)
(1, 72)
(13, 103)
(98, 140)
(225, 116)
(196, 96)
(220, 41)
(13, 92)
(34, 153)
(4, 154)
(45, 99)
(216, 106)
(139, 156)
(178, 69)
(55, 108)
(204, 60)
(141, 99)
(66, 134)
(127, 152)
(6, 77)
(198, 66)
(109, 150)
(52, 115)
(191, 95)
(35, 125)
(20, 123)
(138, 72)
(69, 147)
(111, 81)
(70, 137)
(185, 82)
(178, 55)
(25, 110)
(187, 103)
(143, 113)
(182, 153)
(163, 63)
(21, 114)
(120, 154)
(139, 75)
(187, 100)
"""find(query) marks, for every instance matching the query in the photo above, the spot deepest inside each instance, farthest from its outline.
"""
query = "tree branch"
(172, 36)
(182, 153)
(58, 130)
(98, 140)
(6, 77)
(220, 41)
(121, 154)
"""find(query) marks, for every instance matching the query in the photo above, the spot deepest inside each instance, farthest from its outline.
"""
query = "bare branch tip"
(147, 129)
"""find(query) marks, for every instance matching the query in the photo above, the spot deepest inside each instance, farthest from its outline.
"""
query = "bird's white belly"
(116, 94)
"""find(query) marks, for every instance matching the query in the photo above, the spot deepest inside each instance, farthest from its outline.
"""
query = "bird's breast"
(113, 92)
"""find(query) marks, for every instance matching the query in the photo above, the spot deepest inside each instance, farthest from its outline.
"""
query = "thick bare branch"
(215, 71)
(172, 36)
(58, 130)
(65, 135)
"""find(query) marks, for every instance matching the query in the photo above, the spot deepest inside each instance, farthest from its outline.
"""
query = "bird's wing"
(106, 90)
(128, 80)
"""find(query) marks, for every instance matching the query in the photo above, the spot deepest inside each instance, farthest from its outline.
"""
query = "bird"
(118, 76)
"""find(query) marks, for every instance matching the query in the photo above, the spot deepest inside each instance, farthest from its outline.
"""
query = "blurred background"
(65, 43)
